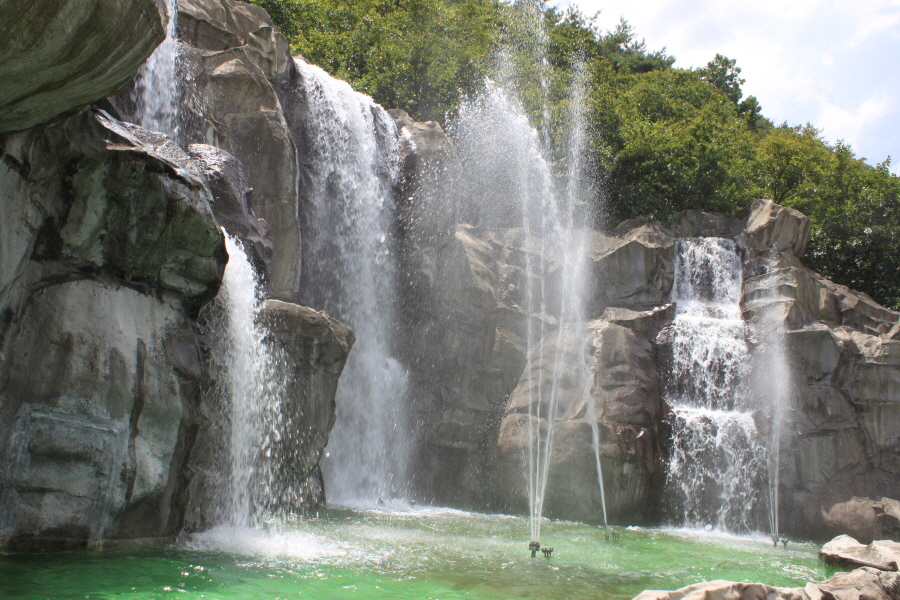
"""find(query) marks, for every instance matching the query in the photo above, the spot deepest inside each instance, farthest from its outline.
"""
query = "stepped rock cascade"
(154, 90)
(718, 459)
(351, 173)
(245, 366)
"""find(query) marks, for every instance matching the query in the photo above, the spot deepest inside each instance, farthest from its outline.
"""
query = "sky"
(832, 63)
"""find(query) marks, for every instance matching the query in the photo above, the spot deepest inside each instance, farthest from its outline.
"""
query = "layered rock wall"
(466, 348)
(111, 244)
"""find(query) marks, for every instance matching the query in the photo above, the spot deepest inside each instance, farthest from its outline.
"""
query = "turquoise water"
(421, 553)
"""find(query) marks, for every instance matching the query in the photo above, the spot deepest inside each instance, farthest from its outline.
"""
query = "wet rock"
(115, 249)
(96, 416)
(235, 60)
(314, 348)
(224, 176)
(47, 69)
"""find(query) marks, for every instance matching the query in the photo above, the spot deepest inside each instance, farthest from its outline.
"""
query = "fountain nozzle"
(534, 547)
(547, 552)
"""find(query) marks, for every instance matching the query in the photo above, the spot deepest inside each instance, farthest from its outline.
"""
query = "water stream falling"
(246, 368)
(718, 461)
(154, 91)
(351, 168)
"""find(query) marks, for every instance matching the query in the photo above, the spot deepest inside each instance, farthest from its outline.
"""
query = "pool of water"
(420, 553)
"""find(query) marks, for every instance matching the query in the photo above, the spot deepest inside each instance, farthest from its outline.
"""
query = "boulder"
(725, 590)
(314, 349)
(58, 56)
(771, 227)
(845, 552)
(862, 584)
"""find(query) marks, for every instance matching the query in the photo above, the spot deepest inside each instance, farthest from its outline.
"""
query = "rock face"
(112, 248)
(47, 68)
(235, 61)
(311, 350)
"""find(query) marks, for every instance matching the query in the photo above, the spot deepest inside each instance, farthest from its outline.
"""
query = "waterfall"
(245, 367)
(154, 90)
(718, 459)
(351, 169)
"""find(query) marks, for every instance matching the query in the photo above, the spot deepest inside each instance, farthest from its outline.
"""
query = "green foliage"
(665, 139)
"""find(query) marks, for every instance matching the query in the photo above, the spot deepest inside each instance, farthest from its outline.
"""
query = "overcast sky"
(833, 63)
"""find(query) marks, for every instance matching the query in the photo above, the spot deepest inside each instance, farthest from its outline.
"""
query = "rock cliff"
(466, 318)
(111, 244)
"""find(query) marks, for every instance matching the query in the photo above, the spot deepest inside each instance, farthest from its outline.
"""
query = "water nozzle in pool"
(547, 552)
(614, 535)
(534, 547)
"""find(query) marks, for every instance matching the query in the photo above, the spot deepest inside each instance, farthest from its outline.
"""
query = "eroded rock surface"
(115, 249)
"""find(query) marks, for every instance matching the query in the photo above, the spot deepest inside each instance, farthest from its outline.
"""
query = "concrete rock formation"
(466, 315)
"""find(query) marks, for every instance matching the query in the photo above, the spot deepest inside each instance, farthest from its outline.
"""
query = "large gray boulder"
(58, 56)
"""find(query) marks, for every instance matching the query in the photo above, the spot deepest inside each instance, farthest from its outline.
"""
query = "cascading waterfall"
(245, 366)
(718, 460)
(154, 90)
(351, 169)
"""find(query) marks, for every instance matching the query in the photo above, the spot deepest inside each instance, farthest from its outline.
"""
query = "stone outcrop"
(110, 246)
(234, 64)
(58, 56)
(310, 351)
(862, 584)
(845, 552)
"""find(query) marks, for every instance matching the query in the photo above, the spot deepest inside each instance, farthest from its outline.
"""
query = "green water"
(421, 554)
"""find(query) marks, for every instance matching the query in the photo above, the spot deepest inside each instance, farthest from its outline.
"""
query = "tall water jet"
(509, 185)
(578, 189)
(351, 170)
(718, 458)
(155, 94)
(773, 384)
(245, 368)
